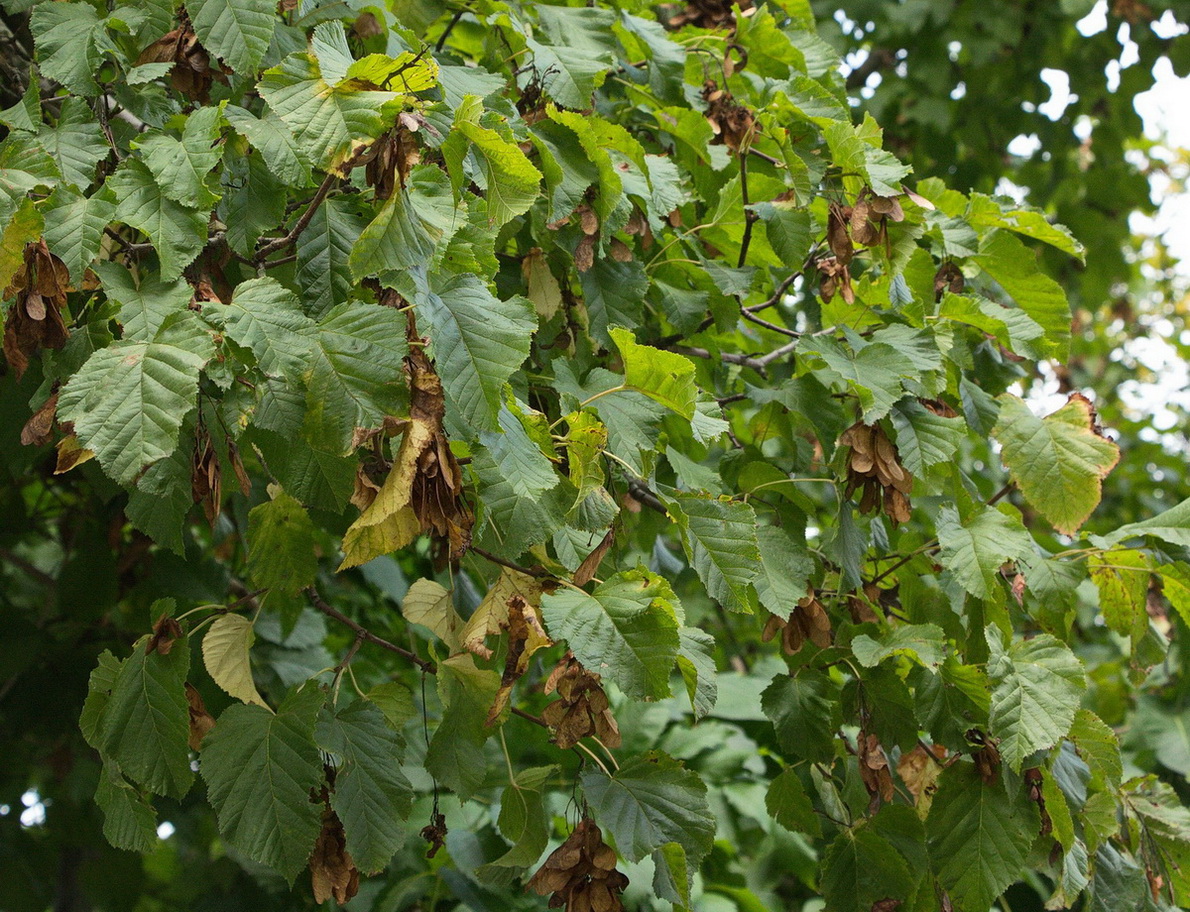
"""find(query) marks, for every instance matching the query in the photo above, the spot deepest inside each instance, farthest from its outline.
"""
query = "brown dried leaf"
(584, 253)
(40, 427)
(525, 636)
(165, 632)
(332, 872)
(201, 721)
(435, 834)
(590, 565)
(71, 454)
(920, 771)
(948, 278)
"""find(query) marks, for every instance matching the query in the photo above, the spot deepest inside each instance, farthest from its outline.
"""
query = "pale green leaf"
(663, 376)
(261, 769)
(924, 439)
(511, 181)
(1038, 684)
(1014, 267)
(979, 837)
(331, 123)
(719, 538)
(129, 400)
(1172, 526)
(177, 232)
(650, 801)
(145, 301)
(372, 796)
(146, 728)
(785, 570)
(478, 341)
(75, 142)
(975, 550)
(225, 649)
(74, 228)
(238, 31)
(696, 662)
(1098, 745)
(428, 604)
(1059, 462)
(1122, 578)
(625, 630)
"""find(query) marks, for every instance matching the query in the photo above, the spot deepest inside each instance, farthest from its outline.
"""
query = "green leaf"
(129, 821)
(522, 463)
(1014, 267)
(805, 711)
(522, 819)
(1059, 462)
(177, 232)
(145, 301)
(455, 755)
(24, 227)
(129, 400)
(924, 643)
(266, 317)
(663, 376)
(225, 649)
(99, 690)
(239, 31)
(719, 538)
(860, 869)
(261, 769)
(1122, 578)
(974, 551)
(478, 340)
(614, 293)
(696, 662)
(923, 438)
(76, 143)
(1038, 684)
(372, 796)
(430, 605)
(511, 181)
(281, 551)
(626, 630)
(1098, 745)
(331, 123)
(789, 805)
(65, 35)
(324, 255)
(1172, 526)
(277, 146)
(146, 727)
(571, 75)
(978, 835)
(398, 238)
(652, 800)
(876, 372)
(354, 374)
(182, 166)
(74, 228)
(785, 570)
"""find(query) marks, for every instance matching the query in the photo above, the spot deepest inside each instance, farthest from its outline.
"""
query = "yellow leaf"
(428, 604)
(389, 523)
(70, 454)
(492, 614)
(225, 653)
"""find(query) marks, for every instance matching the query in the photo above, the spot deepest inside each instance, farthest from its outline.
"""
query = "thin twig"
(640, 491)
(535, 572)
(363, 632)
(281, 243)
(749, 216)
(760, 321)
(730, 357)
(776, 353)
(449, 28)
(776, 296)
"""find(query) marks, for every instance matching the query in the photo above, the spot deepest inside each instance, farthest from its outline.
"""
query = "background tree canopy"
(463, 455)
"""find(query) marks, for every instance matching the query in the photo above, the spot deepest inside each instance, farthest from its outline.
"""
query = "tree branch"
(302, 223)
(729, 357)
(360, 631)
(535, 572)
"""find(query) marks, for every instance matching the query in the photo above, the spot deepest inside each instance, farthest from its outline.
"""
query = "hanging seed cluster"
(581, 873)
(581, 708)
(874, 466)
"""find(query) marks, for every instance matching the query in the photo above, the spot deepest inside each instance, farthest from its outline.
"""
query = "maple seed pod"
(582, 709)
(581, 873)
(874, 467)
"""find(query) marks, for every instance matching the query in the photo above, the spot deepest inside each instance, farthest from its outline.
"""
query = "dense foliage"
(634, 494)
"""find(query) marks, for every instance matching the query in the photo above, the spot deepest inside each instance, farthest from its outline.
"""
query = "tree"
(634, 492)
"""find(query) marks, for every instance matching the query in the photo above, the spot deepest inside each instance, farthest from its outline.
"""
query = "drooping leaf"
(129, 821)
(979, 835)
(720, 541)
(1058, 461)
(281, 551)
(372, 796)
(974, 551)
(862, 869)
(625, 630)
(1038, 683)
(805, 712)
(663, 376)
(145, 725)
(261, 768)
(225, 648)
(788, 804)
